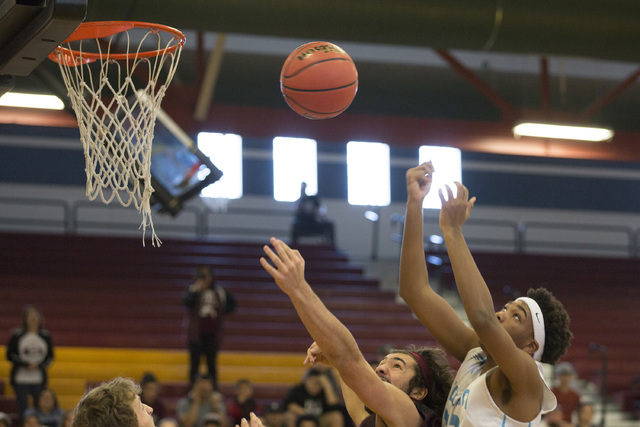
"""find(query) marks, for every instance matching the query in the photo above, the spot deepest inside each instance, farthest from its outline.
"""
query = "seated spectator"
(585, 415)
(5, 420)
(309, 218)
(212, 420)
(46, 409)
(568, 398)
(307, 421)
(554, 419)
(31, 421)
(202, 400)
(149, 396)
(243, 403)
(314, 396)
(274, 415)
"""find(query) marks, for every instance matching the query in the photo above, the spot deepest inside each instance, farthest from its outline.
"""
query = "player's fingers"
(268, 267)
(255, 421)
(309, 360)
(274, 257)
(463, 193)
(429, 167)
(284, 251)
(449, 192)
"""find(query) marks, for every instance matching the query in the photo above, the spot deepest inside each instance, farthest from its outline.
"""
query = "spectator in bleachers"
(274, 415)
(116, 403)
(243, 403)
(46, 409)
(566, 395)
(310, 219)
(584, 415)
(213, 420)
(149, 396)
(31, 421)
(68, 419)
(5, 420)
(553, 418)
(307, 421)
(201, 400)
(316, 396)
(30, 351)
(208, 304)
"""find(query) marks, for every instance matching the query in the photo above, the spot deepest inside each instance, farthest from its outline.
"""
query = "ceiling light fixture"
(30, 100)
(545, 130)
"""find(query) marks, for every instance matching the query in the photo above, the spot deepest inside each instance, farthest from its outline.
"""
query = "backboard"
(30, 30)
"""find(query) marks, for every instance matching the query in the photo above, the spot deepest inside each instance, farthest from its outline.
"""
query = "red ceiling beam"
(590, 111)
(509, 111)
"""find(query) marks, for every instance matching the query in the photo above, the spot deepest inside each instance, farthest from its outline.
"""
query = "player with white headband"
(500, 380)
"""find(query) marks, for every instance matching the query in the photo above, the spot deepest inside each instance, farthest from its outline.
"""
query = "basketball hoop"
(112, 71)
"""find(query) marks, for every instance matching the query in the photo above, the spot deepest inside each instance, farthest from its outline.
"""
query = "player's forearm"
(335, 340)
(473, 290)
(413, 270)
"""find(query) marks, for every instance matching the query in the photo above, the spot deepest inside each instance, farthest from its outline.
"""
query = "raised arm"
(337, 343)
(432, 310)
(517, 365)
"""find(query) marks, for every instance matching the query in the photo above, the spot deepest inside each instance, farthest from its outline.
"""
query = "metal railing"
(594, 238)
(519, 237)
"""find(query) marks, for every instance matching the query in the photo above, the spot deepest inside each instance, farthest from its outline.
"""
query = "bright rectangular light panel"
(447, 162)
(368, 173)
(295, 160)
(30, 100)
(225, 151)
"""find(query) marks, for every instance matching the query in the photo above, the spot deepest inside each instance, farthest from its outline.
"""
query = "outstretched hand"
(288, 266)
(419, 181)
(315, 356)
(455, 210)
(255, 422)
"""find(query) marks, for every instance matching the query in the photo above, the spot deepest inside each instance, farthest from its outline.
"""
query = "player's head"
(556, 325)
(538, 324)
(115, 403)
(421, 372)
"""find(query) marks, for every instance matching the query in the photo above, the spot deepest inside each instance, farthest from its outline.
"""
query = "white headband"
(538, 324)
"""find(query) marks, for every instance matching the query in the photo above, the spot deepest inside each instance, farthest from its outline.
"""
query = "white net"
(116, 103)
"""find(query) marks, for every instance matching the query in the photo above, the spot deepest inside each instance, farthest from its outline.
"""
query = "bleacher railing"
(59, 215)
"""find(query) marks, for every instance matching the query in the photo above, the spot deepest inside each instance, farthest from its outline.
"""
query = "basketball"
(319, 80)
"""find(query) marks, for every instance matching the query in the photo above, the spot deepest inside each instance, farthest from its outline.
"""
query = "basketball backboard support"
(179, 170)
(30, 30)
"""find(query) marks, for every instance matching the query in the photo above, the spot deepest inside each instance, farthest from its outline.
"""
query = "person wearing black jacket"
(207, 304)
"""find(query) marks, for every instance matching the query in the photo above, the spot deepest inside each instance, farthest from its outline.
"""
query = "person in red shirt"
(567, 397)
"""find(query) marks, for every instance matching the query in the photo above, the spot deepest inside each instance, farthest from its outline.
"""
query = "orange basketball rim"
(103, 29)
